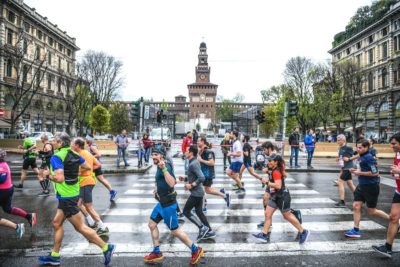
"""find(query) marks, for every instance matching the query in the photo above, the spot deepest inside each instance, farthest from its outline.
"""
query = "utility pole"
(284, 128)
(141, 115)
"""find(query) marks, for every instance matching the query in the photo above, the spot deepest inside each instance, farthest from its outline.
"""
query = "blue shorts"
(247, 165)
(235, 166)
(168, 214)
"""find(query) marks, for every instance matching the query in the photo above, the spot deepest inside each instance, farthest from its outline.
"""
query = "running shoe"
(235, 187)
(241, 191)
(383, 250)
(102, 232)
(210, 234)
(298, 236)
(263, 237)
(304, 236)
(340, 204)
(196, 256)
(260, 225)
(49, 260)
(222, 190)
(335, 182)
(202, 232)
(94, 226)
(108, 254)
(353, 233)
(153, 257)
(181, 215)
(113, 194)
(31, 219)
(227, 199)
(45, 193)
(20, 230)
(19, 186)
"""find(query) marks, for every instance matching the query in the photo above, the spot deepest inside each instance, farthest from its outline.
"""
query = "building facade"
(376, 50)
(49, 56)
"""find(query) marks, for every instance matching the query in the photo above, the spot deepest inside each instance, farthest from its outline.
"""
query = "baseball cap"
(159, 150)
(274, 157)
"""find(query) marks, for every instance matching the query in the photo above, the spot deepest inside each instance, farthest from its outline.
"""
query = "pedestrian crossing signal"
(292, 106)
(159, 116)
(260, 117)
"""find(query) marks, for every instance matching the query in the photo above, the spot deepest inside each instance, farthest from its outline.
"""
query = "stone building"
(376, 49)
(49, 63)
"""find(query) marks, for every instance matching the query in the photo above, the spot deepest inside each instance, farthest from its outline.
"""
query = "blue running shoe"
(263, 237)
(202, 232)
(222, 190)
(210, 234)
(353, 233)
(20, 230)
(227, 199)
(113, 194)
(304, 236)
(260, 225)
(108, 254)
(49, 260)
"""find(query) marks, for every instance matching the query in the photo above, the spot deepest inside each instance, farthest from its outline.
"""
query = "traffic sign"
(146, 112)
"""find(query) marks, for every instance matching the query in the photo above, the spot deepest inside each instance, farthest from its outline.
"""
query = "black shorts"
(69, 206)
(98, 172)
(208, 182)
(29, 162)
(86, 194)
(282, 202)
(396, 198)
(367, 194)
(45, 165)
(346, 175)
(6, 198)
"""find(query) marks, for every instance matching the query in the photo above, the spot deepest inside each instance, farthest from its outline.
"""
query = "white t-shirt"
(237, 147)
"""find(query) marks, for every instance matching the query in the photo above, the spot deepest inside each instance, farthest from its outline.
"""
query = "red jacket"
(147, 143)
(187, 141)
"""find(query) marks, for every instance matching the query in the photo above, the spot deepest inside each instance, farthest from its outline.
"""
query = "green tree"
(100, 119)
(226, 107)
(274, 93)
(270, 125)
(81, 107)
(119, 118)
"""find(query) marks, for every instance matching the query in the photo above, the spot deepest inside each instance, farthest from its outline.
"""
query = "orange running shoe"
(153, 257)
(196, 256)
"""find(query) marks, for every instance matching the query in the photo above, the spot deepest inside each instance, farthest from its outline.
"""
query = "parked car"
(37, 135)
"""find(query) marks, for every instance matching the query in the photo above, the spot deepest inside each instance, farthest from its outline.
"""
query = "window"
(37, 52)
(69, 52)
(49, 78)
(27, 27)
(59, 84)
(25, 73)
(395, 43)
(59, 62)
(384, 31)
(370, 109)
(9, 101)
(384, 106)
(398, 105)
(68, 67)
(384, 50)
(38, 77)
(370, 82)
(348, 51)
(371, 56)
(60, 47)
(370, 39)
(358, 45)
(25, 47)
(395, 24)
(338, 55)
(68, 87)
(9, 68)
(384, 78)
(358, 60)
(39, 35)
(11, 16)
(49, 58)
(50, 41)
(10, 34)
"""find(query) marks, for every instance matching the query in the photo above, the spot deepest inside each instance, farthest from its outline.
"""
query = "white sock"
(90, 220)
(101, 225)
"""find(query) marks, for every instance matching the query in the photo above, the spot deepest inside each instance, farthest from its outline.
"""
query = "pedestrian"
(94, 150)
(44, 170)
(225, 147)
(206, 158)
(194, 183)
(367, 190)
(6, 194)
(186, 142)
(147, 144)
(280, 199)
(247, 150)
(195, 136)
(372, 149)
(165, 210)
(122, 143)
(140, 152)
(64, 170)
(29, 158)
(87, 181)
(309, 142)
(236, 155)
(394, 216)
(345, 160)
(294, 142)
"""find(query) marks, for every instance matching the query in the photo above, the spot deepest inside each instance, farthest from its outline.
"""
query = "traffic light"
(260, 117)
(135, 111)
(292, 108)
(160, 115)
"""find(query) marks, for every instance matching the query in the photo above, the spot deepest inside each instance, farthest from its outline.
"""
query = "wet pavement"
(312, 193)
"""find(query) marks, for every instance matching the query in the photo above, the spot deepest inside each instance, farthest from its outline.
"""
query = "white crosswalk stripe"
(248, 192)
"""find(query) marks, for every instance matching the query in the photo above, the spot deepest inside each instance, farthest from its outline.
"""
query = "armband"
(164, 170)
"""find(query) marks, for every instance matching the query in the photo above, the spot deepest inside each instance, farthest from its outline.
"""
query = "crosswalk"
(127, 222)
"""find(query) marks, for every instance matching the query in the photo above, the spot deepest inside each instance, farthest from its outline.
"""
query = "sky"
(248, 42)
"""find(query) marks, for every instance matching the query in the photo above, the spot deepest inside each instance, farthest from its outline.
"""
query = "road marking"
(235, 249)
(258, 185)
(278, 227)
(248, 192)
(388, 181)
(231, 213)
(151, 200)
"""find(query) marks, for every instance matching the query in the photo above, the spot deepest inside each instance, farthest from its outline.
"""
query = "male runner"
(237, 161)
(29, 157)
(247, 150)
(44, 170)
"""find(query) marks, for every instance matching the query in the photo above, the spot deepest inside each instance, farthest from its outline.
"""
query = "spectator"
(225, 148)
(186, 142)
(309, 142)
(195, 136)
(147, 144)
(122, 143)
(294, 142)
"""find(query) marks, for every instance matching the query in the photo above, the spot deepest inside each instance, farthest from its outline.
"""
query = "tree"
(103, 74)
(274, 93)
(226, 107)
(119, 119)
(270, 125)
(100, 119)
(24, 73)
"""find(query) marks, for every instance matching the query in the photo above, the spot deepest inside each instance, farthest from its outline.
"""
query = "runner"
(193, 182)
(225, 148)
(166, 210)
(44, 169)
(87, 181)
(19, 228)
(247, 150)
(345, 159)
(367, 189)
(237, 161)
(394, 217)
(64, 172)
(280, 199)
(6, 194)
(29, 157)
(98, 172)
(186, 142)
(206, 158)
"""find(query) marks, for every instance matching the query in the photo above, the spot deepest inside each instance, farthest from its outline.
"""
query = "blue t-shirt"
(368, 164)
(56, 162)
(208, 171)
(163, 188)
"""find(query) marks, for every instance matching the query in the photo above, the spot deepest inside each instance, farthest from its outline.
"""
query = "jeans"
(226, 157)
(310, 154)
(147, 152)
(121, 150)
(294, 153)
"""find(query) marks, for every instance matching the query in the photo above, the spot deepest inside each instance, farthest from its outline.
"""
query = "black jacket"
(294, 139)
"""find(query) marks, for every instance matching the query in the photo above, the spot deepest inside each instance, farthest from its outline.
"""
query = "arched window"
(384, 106)
(384, 78)
(370, 109)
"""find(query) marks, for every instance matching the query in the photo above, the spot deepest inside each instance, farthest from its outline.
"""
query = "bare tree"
(25, 72)
(103, 74)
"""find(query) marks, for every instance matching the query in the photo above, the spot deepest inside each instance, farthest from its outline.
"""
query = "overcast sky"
(248, 42)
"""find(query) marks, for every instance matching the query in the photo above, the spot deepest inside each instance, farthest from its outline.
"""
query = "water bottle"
(341, 161)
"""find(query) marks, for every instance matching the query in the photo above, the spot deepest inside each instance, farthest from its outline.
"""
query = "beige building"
(377, 51)
(49, 61)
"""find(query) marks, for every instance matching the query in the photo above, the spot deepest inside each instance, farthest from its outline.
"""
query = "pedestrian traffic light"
(292, 107)
(160, 115)
(135, 111)
(260, 117)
